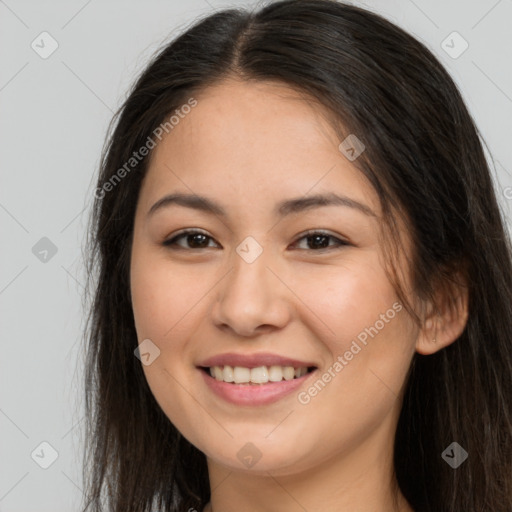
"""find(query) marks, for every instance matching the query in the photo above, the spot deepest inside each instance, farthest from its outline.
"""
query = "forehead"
(254, 119)
(260, 140)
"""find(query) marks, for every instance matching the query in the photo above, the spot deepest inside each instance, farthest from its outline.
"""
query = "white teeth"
(228, 374)
(288, 372)
(275, 374)
(241, 375)
(259, 375)
(299, 372)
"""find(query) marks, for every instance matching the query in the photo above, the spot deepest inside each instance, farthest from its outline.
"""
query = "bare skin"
(249, 146)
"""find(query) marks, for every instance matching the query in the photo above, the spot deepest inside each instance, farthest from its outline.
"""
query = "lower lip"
(254, 394)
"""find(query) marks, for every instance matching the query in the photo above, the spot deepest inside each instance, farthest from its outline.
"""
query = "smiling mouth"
(259, 375)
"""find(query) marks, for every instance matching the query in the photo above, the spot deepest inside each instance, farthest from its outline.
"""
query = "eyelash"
(171, 242)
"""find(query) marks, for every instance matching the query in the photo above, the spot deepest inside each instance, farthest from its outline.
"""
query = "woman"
(304, 282)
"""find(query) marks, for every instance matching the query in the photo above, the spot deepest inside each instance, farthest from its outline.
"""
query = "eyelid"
(339, 241)
(319, 231)
(168, 241)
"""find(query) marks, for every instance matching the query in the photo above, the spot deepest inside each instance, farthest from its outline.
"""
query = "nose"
(252, 299)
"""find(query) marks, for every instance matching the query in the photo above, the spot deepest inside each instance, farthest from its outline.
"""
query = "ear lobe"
(444, 324)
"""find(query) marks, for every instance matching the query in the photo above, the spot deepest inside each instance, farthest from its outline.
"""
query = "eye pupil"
(195, 236)
(197, 240)
(316, 239)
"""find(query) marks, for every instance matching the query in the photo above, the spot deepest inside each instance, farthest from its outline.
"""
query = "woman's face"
(257, 293)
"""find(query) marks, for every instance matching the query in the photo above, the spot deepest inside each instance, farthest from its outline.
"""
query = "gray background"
(54, 114)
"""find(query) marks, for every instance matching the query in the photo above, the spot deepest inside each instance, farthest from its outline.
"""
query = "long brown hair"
(423, 153)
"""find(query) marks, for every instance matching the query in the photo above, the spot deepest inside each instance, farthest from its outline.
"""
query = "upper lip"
(253, 360)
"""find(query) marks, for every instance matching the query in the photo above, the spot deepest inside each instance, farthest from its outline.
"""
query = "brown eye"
(318, 240)
(193, 239)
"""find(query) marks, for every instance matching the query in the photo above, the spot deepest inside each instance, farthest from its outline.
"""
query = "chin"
(262, 456)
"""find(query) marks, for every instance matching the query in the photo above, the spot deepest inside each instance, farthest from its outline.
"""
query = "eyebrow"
(282, 209)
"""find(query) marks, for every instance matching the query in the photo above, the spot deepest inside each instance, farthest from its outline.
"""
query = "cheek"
(165, 301)
(347, 298)
(162, 294)
(359, 319)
